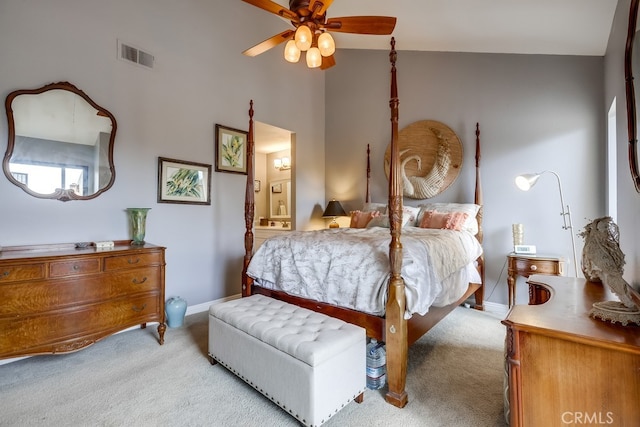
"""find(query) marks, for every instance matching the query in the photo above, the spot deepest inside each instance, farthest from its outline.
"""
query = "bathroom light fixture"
(526, 181)
(282, 164)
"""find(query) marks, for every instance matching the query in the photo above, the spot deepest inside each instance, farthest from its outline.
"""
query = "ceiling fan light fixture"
(314, 59)
(291, 51)
(326, 44)
(303, 38)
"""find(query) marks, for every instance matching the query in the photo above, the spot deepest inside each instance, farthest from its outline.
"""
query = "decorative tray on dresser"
(59, 298)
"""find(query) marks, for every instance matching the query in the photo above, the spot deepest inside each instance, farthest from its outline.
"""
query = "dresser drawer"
(74, 267)
(68, 330)
(133, 260)
(538, 266)
(19, 272)
(20, 299)
(138, 280)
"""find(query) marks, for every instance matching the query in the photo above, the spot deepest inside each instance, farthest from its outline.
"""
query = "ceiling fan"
(312, 28)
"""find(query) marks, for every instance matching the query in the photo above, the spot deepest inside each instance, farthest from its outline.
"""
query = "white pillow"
(410, 215)
(383, 221)
(375, 207)
(471, 223)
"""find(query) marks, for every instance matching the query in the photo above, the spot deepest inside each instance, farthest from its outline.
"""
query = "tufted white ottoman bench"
(309, 364)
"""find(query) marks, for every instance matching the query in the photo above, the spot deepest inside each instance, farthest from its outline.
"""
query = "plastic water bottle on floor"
(376, 365)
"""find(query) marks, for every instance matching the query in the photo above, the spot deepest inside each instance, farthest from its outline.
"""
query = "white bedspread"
(349, 267)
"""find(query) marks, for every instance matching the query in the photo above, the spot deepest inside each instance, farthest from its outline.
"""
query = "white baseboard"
(199, 308)
(192, 309)
(499, 310)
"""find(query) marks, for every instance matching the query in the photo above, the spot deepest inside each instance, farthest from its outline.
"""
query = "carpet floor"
(455, 378)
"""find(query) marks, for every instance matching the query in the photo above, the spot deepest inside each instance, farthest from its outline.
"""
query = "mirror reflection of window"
(46, 179)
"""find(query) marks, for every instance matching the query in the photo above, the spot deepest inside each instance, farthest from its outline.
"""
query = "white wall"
(200, 78)
(535, 112)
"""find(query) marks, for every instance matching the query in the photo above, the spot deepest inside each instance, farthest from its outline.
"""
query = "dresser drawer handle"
(76, 267)
(6, 273)
(138, 309)
(132, 261)
(534, 267)
(139, 282)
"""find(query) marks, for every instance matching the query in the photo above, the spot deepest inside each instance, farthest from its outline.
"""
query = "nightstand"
(525, 265)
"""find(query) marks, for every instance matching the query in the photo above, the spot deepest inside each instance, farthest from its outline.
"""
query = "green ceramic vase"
(138, 221)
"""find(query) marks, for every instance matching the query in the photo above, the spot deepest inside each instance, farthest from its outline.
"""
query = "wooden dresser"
(565, 368)
(58, 299)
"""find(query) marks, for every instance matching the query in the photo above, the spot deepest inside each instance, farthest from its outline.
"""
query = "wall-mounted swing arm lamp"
(526, 181)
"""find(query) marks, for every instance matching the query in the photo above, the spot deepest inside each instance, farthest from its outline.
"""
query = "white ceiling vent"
(129, 53)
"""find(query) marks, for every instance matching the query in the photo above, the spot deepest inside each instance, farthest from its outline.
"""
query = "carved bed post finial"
(248, 207)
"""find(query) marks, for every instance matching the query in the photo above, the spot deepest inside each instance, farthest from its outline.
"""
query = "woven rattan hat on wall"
(436, 148)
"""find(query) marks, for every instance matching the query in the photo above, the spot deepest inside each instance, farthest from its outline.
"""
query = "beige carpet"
(455, 378)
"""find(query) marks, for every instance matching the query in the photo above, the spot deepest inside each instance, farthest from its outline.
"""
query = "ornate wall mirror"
(60, 143)
(632, 69)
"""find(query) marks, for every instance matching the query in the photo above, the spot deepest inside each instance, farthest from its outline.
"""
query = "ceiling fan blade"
(274, 8)
(377, 25)
(269, 43)
(327, 62)
(319, 7)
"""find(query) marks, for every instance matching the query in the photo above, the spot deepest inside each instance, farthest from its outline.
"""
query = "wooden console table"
(566, 368)
(526, 265)
(58, 299)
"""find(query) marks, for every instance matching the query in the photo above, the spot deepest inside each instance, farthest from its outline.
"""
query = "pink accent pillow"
(360, 219)
(443, 220)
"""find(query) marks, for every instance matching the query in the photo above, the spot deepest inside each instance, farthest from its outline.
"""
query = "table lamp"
(334, 210)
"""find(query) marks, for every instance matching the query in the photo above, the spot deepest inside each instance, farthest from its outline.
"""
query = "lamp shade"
(314, 58)
(527, 180)
(303, 37)
(291, 51)
(326, 44)
(334, 209)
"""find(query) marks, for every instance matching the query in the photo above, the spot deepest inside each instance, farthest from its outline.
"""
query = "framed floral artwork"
(231, 150)
(183, 182)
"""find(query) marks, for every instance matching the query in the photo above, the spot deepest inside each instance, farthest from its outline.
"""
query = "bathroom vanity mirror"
(632, 72)
(280, 199)
(60, 143)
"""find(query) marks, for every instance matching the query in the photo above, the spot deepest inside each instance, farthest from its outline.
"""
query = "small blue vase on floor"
(175, 308)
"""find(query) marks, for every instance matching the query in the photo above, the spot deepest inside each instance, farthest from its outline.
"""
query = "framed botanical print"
(183, 182)
(231, 150)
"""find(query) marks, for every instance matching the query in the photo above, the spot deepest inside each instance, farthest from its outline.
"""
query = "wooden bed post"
(367, 197)
(396, 332)
(479, 294)
(249, 204)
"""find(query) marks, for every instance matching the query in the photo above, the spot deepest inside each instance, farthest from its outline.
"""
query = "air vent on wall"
(126, 52)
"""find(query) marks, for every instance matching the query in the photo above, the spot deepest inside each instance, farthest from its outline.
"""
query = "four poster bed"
(396, 325)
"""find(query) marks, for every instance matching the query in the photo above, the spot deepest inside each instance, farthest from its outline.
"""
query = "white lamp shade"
(314, 59)
(303, 38)
(326, 44)
(526, 181)
(291, 51)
